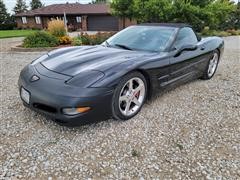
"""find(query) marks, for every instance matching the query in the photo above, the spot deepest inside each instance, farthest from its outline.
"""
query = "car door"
(183, 65)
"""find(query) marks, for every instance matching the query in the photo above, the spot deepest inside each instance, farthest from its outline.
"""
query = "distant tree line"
(216, 14)
(7, 20)
(100, 1)
(21, 6)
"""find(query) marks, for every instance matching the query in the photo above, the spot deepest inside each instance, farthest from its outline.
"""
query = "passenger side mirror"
(185, 48)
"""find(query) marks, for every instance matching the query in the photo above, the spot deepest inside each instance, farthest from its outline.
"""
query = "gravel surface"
(191, 132)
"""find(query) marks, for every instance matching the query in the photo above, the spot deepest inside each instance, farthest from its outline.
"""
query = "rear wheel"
(212, 66)
(129, 96)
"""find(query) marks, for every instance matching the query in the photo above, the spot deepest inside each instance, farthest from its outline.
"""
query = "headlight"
(86, 79)
(75, 111)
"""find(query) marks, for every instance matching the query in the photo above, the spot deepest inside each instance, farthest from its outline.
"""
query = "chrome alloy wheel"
(213, 65)
(132, 96)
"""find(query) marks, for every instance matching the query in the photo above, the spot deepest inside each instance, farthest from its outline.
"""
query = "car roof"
(176, 25)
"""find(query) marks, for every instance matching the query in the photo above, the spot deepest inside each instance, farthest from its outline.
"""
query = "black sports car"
(78, 85)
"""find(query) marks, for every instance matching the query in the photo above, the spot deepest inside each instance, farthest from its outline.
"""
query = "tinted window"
(185, 36)
(146, 38)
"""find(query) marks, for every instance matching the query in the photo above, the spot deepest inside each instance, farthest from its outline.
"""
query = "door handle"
(202, 48)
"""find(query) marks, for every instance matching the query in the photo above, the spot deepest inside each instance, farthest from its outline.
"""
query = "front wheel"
(129, 96)
(212, 66)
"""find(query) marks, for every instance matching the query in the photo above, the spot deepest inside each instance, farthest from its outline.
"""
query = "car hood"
(74, 60)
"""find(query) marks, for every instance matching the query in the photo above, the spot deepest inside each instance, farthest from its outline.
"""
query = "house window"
(79, 19)
(24, 20)
(38, 20)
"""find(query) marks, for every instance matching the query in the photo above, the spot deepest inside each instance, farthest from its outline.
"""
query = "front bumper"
(50, 95)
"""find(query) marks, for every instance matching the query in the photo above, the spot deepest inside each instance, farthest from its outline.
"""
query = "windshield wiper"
(107, 44)
(123, 46)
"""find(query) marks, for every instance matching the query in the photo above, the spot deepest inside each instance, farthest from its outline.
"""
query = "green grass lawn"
(15, 33)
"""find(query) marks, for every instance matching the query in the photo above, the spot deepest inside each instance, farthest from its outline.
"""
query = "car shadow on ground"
(103, 123)
(40, 119)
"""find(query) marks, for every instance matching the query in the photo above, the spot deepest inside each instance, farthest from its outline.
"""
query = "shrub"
(77, 41)
(8, 26)
(222, 34)
(57, 28)
(233, 32)
(207, 32)
(86, 39)
(36, 28)
(238, 32)
(94, 39)
(101, 37)
(65, 40)
(40, 39)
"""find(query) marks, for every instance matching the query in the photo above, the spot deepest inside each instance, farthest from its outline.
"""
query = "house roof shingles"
(75, 8)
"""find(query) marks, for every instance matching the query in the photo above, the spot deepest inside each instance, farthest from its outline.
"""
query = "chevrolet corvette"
(85, 84)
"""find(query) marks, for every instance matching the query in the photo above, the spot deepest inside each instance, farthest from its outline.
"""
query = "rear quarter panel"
(213, 43)
(210, 44)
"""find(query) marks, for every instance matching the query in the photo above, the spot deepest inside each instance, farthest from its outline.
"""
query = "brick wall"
(127, 23)
(73, 24)
(84, 23)
(31, 23)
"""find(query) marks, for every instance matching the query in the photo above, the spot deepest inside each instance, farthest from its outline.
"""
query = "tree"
(123, 9)
(219, 12)
(20, 6)
(184, 11)
(100, 1)
(3, 13)
(6, 21)
(198, 13)
(234, 20)
(35, 4)
(201, 13)
(152, 10)
(201, 3)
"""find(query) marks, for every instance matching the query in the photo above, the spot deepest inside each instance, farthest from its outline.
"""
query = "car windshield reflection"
(142, 38)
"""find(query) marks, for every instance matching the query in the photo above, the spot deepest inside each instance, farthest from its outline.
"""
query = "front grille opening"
(60, 121)
(44, 107)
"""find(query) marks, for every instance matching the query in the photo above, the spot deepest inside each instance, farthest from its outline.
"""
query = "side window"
(185, 36)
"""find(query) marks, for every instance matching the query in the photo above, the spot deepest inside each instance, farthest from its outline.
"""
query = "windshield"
(143, 38)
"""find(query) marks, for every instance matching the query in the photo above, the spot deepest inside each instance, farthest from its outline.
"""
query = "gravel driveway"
(191, 132)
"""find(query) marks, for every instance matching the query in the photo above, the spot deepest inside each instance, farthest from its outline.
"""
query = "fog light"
(75, 111)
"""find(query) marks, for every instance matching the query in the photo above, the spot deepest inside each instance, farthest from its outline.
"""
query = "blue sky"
(11, 3)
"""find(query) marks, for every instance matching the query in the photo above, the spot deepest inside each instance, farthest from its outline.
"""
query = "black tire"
(116, 112)
(206, 75)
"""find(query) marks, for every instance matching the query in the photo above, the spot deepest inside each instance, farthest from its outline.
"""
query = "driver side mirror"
(199, 38)
(185, 48)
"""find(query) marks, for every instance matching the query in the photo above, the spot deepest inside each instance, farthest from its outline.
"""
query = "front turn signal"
(75, 111)
(83, 109)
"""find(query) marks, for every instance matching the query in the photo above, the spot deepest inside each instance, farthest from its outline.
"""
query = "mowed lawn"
(15, 33)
